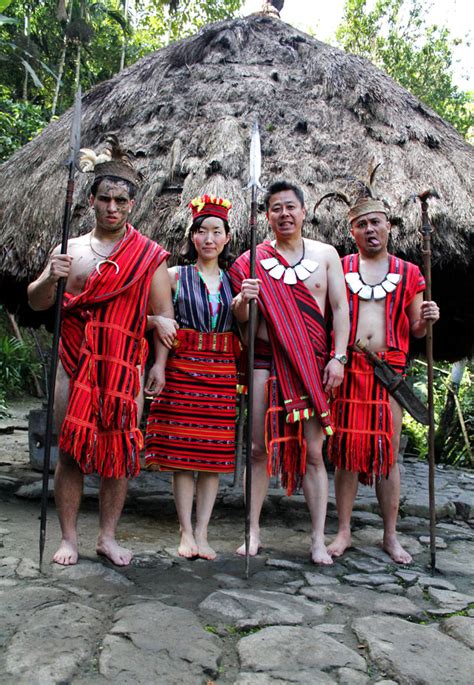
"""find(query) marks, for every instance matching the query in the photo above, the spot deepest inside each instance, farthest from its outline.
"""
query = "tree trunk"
(62, 62)
(27, 32)
(123, 55)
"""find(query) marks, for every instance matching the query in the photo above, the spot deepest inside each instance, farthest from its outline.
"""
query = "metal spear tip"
(75, 140)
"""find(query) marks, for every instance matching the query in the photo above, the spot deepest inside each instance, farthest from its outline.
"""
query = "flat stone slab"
(260, 608)
(52, 643)
(284, 564)
(86, 570)
(320, 579)
(449, 600)
(151, 642)
(414, 654)
(367, 565)
(363, 599)
(300, 678)
(435, 581)
(459, 559)
(461, 628)
(19, 601)
(368, 578)
(285, 652)
(440, 543)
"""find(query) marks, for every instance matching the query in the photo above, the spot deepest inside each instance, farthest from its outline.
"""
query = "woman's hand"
(165, 327)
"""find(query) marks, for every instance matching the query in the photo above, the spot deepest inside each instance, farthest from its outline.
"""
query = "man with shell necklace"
(301, 284)
(386, 306)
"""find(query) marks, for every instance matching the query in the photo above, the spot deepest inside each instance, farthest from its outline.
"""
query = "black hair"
(280, 186)
(188, 253)
(115, 179)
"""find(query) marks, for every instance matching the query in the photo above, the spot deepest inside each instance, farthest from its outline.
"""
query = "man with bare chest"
(113, 275)
(386, 306)
(293, 373)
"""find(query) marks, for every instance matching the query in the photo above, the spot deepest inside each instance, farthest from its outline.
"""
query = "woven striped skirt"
(191, 425)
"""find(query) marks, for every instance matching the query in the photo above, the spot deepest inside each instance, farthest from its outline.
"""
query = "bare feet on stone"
(319, 553)
(205, 551)
(187, 546)
(393, 548)
(66, 554)
(341, 542)
(254, 546)
(109, 547)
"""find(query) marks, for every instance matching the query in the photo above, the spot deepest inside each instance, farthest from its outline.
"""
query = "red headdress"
(209, 205)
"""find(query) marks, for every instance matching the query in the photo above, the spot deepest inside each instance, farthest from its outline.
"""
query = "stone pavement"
(167, 620)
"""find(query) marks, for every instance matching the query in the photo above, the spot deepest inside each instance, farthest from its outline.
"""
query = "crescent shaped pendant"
(107, 261)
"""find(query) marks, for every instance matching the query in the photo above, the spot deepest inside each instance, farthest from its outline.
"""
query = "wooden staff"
(71, 164)
(426, 230)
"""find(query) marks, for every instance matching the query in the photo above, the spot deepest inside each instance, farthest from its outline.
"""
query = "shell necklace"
(291, 274)
(104, 259)
(372, 292)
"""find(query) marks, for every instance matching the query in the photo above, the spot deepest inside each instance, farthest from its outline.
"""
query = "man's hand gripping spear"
(71, 164)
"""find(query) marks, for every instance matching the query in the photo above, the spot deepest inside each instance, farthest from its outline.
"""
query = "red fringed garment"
(363, 429)
(102, 346)
(299, 341)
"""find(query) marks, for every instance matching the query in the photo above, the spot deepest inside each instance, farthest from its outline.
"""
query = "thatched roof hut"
(186, 112)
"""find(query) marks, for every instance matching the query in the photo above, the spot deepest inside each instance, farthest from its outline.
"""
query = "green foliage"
(17, 366)
(41, 42)
(455, 451)
(395, 36)
(20, 121)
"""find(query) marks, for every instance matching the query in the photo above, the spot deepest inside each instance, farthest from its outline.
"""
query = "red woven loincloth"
(362, 441)
(191, 424)
(102, 346)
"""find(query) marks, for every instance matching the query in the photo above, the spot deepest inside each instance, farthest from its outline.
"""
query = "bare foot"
(109, 547)
(187, 546)
(66, 554)
(395, 550)
(341, 542)
(254, 546)
(319, 553)
(205, 551)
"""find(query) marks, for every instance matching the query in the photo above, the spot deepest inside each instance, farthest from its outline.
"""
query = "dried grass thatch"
(186, 113)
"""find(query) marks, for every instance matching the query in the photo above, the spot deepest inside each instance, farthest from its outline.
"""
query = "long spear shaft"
(426, 230)
(252, 325)
(74, 149)
(254, 184)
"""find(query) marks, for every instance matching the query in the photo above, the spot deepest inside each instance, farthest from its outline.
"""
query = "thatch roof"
(186, 112)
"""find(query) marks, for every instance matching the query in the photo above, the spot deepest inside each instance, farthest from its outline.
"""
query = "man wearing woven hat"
(386, 306)
(113, 274)
(301, 281)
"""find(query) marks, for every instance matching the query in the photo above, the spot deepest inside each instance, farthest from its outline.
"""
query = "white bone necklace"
(371, 292)
(291, 274)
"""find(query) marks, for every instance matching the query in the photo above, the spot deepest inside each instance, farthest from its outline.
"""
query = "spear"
(254, 185)
(426, 230)
(71, 165)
